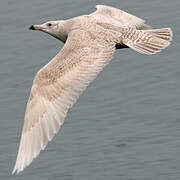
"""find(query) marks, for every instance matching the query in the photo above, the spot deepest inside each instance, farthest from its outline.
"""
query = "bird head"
(54, 28)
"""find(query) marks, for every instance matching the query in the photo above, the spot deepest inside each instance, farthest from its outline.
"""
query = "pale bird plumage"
(90, 42)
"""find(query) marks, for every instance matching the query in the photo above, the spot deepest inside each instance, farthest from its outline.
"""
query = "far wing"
(123, 18)
(55, 89)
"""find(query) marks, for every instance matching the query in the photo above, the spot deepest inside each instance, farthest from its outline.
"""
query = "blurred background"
(126, 126)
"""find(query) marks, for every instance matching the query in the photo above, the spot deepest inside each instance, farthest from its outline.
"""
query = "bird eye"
(49, 24)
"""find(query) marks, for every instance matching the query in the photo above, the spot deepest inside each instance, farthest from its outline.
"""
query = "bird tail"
(148, 41)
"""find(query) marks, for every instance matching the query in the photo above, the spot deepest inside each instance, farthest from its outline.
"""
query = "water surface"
(126, 126)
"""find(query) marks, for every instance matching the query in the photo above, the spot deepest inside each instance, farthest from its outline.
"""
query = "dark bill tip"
(32, 27)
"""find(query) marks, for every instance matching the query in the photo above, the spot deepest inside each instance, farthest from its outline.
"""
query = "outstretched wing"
(119, 17)
(55, 89)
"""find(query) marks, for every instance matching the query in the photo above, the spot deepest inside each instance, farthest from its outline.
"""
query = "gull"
(90, 41)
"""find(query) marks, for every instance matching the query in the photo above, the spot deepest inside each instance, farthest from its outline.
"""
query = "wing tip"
(16, 170)
(13, 171)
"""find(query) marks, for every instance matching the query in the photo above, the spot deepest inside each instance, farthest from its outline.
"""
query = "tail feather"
(165, 33)
(148, 41)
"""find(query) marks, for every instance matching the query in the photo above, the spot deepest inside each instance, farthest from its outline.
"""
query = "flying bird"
(90, 41)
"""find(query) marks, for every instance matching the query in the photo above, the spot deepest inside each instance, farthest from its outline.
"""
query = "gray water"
(126, 126)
